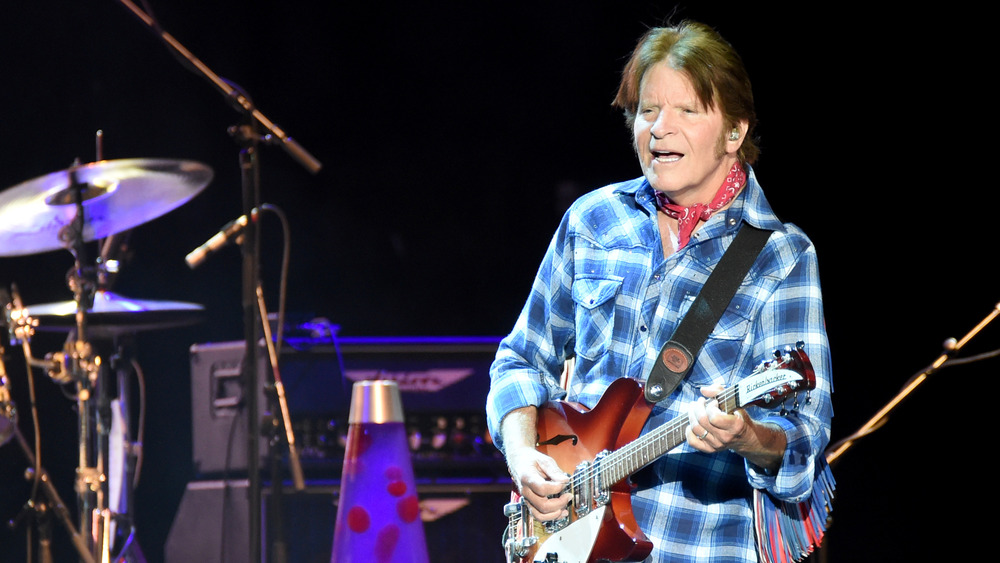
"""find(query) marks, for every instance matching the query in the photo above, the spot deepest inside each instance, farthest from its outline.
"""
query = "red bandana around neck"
(688, 217)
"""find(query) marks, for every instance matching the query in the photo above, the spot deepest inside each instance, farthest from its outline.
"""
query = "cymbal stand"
(83, 368)
(56, 504)
(21, 329)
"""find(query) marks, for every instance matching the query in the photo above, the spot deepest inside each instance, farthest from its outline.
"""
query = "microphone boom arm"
(241, 102)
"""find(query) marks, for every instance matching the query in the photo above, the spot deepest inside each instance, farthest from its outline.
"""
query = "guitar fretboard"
(639, 453)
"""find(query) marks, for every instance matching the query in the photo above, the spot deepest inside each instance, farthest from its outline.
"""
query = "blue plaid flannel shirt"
(605, 294)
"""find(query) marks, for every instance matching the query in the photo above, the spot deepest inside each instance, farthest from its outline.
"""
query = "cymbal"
(117, 195)
(114, 314)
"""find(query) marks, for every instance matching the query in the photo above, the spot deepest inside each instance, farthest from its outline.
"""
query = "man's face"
(684, 148)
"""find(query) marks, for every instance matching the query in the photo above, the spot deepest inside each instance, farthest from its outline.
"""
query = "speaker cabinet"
(211, 524)
(314, 389)
(462, 522)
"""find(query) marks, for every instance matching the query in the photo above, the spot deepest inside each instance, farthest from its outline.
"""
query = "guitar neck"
(642, 451)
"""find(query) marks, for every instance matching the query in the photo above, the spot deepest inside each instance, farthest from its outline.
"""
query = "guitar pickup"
(583, 489)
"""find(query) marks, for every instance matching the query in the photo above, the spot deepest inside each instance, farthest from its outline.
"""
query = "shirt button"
(642, 328)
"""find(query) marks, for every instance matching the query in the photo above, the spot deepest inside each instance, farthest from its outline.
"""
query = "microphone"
(228, 232)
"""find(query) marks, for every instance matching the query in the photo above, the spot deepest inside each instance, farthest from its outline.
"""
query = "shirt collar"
(750, 205)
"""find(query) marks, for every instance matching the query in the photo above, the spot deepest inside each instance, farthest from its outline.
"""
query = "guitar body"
(571, 434)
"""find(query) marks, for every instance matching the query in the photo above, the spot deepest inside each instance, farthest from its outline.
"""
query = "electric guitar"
(601, 448)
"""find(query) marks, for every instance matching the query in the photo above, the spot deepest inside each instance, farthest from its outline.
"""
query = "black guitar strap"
(677, 356)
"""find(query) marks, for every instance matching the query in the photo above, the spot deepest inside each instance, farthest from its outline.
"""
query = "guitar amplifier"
(443, 384)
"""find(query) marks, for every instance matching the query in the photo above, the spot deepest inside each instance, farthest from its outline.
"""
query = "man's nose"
(663, 125)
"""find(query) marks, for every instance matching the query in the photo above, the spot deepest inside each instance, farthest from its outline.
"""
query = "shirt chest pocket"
(737, 318)
(595, 314)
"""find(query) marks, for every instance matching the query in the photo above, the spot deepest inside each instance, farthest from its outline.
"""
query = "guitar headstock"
(789, 372)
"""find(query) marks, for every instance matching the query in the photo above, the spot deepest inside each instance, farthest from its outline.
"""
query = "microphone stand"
(277, 540)
(876, 422)
(274, 134)
(295, 464)
(248, 138)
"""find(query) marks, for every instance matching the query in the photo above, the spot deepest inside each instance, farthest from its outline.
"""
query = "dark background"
(453, 136)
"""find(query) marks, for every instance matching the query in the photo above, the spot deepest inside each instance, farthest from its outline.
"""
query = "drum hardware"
(106, 470)
(8, 411)
(41, 512)
(20, 328)
(99, 201)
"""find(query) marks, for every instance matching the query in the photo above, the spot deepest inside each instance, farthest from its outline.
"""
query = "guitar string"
(619, 460)
(729, 402)
(615, 465)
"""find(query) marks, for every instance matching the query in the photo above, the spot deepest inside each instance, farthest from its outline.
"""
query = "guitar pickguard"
(573, 543)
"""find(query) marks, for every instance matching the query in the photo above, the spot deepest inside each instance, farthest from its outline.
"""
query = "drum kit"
(98, 202)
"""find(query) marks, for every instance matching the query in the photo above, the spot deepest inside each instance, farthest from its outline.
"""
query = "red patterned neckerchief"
(688, 217)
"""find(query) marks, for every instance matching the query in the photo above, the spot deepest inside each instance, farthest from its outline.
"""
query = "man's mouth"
(666, 156)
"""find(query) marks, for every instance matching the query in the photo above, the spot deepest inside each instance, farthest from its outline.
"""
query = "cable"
(141, 424)
(283, 280)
